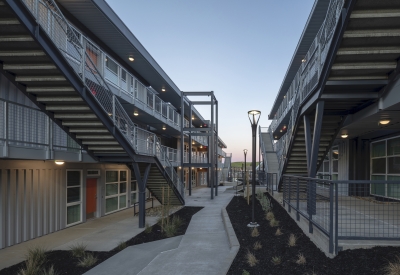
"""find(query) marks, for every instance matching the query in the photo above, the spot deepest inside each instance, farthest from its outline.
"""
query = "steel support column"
(182, 145)
(319, 112)
(190, 150)
(212, 150)
(307, 136)
(142, 191)
(216, 148)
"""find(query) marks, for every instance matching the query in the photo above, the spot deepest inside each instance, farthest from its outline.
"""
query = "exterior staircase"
(41, 54)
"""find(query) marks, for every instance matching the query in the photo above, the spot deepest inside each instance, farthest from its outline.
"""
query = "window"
(116, 190)
(74, 197)
(385, 166)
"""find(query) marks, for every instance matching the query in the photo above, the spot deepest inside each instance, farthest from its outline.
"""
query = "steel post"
(330, 217)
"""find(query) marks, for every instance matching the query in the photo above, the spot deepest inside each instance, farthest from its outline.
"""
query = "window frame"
(73, 203)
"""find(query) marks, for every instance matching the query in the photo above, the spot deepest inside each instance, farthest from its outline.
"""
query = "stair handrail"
(307, 77)
(86, 69)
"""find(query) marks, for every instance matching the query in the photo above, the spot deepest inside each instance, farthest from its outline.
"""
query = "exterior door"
(91, 198)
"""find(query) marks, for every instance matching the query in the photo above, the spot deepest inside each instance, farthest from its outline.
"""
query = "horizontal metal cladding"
(32, 203)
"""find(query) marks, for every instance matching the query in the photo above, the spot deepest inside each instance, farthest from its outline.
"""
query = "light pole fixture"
(244, 175)
(254, 117)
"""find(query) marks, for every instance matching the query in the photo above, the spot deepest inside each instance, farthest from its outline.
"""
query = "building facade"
(90, 124)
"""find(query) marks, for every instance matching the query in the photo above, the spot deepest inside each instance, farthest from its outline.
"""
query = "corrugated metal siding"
(343, 173)
(31, 204)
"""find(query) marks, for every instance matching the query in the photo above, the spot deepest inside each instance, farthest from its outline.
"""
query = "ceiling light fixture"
(162, 89)
(344, 135)
(164, 127)
(135, 113)
(303, 60)
(131, 59)
(384, 121)
(59, 162)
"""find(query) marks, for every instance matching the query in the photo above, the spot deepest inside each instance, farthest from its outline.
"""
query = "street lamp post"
(244, 176)
(254, 116)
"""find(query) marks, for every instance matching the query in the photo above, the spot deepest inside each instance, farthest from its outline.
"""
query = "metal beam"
(339, 96)
(197, 165)
(201, 102)
(201, 134)
(319, 112)
(371, 33)
(191, 129)
(357, 82)
(369, 14)
(307, 138)
(365, 66)
(197, 93)
(142, 191)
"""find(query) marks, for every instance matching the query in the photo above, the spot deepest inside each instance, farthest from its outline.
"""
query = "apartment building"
(90, 124)
(334, 139)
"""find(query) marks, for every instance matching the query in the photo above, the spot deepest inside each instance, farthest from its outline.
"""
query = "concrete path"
(204, 249)
(133, 259)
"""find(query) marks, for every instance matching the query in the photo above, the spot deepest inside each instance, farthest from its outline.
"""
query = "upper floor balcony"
(118, 79)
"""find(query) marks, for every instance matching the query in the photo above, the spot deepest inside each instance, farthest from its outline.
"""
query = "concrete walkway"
(101, 234)
(204, 249)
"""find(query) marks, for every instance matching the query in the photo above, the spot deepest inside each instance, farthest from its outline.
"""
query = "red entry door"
(91, 197)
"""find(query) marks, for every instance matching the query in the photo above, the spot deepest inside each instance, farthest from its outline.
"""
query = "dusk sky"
(238, 49)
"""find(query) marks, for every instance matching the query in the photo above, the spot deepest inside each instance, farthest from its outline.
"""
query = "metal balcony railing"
(306, 79)
(309, 72)
(83, 61)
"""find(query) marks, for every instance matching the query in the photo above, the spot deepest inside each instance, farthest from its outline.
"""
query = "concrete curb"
(230, 232)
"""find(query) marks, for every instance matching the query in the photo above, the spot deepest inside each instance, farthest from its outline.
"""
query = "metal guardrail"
(345, 210)
(307, 76)
(49, 16)
(272, 182)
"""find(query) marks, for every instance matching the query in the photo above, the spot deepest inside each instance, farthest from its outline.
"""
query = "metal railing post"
(297, 201)
(290, 194)
(309, 202)
(330, 217)
(336, 218)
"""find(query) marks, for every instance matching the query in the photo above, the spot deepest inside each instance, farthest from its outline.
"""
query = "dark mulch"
(65, 263)
(358, 261)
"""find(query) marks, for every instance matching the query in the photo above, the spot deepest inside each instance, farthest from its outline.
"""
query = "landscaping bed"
(65, 263)
(276, 256)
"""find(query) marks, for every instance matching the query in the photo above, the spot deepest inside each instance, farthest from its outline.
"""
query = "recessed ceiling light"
(135, 113)
(384, 121)
(164, 128)
(303, 60)
(162, 89)
(59, 162)
(131, 59)
(344, 135)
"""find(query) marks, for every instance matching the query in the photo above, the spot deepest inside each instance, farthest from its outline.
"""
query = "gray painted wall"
(33, 197)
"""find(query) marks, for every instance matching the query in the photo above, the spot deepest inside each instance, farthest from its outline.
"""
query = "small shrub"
(251, 259)
(278, 232)
(273, 223)
(148, 228)
(87, 260)
(264, 201)
(122, 245)
(177, 221)
(35, 258)
(292, 240)
(269, 216)
(393, 268)
(257, 245)
(170, 229)
(245, 272)
(254, 232)
(276, 260)
(78, 250)
(50, 271)
(301, 260)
